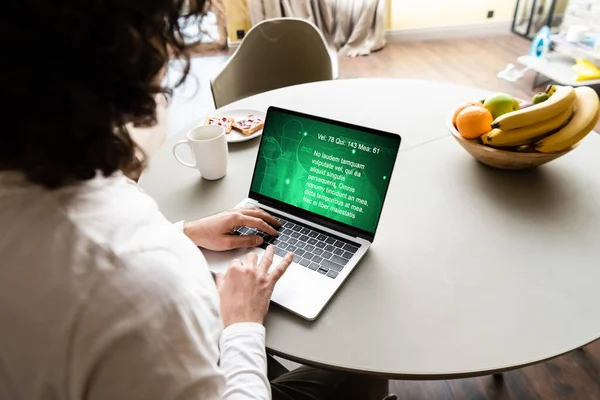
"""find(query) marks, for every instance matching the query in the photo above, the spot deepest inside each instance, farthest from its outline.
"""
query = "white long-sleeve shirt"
(101, 298)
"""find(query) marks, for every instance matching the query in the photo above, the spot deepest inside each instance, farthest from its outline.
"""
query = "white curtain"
(355, 27)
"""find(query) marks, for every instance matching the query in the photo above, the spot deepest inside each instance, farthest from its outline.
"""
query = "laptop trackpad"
(300, 290)
(218, 261)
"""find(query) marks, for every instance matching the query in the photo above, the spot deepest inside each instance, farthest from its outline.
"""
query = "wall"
(429, 13)
(404, 13)
(237, 18)
(583, 12)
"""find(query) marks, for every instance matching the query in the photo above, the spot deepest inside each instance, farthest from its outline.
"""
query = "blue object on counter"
(540, 43)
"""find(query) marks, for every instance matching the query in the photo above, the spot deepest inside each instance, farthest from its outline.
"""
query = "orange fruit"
(459, 109)
(474, 121)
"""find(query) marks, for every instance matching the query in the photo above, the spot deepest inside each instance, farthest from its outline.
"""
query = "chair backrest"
(275, 53)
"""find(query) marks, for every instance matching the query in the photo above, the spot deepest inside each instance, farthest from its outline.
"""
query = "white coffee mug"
(209, 147)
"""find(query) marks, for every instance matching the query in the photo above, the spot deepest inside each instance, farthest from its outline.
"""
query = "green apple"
(500, 104)
(540, 98)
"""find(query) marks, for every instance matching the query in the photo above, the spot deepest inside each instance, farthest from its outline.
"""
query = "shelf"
(557, 67)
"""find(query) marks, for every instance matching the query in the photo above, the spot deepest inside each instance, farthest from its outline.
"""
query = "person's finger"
(236, 242)
(254, 222)
(267, 259)
(281, 268)
(262, 214)
(219, 280)
(251, 259)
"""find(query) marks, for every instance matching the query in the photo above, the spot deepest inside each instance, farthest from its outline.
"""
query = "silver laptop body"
(326, 182)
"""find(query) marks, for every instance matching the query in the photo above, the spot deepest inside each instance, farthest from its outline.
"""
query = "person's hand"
(246, 289)
(216, 232)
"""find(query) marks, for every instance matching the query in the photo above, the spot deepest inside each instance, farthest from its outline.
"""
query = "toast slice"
(225, 122)
(249, 125)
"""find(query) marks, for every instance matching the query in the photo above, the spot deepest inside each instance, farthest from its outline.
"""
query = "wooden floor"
(473, 62)
(575, 376)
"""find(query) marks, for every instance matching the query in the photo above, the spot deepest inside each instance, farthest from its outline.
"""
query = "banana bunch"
(587, 111)
(548, 127)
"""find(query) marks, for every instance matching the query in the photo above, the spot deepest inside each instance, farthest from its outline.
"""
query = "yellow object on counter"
(585, 70)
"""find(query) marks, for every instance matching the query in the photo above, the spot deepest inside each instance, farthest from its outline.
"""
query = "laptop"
(326, 182)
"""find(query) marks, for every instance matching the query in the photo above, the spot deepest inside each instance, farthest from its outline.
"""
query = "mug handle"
(187, 164)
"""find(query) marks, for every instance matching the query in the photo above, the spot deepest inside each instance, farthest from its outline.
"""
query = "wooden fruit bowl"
(503, 159)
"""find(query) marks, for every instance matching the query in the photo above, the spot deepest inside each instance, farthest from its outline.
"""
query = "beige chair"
(275, 53)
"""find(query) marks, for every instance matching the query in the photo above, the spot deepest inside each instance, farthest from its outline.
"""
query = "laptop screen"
(335, 170)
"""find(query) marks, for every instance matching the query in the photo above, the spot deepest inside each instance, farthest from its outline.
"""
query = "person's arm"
(153, 333)
(242, 344)
(244, 362)
(245, 292)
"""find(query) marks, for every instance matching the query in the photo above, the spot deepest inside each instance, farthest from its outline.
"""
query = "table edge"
(427, 376)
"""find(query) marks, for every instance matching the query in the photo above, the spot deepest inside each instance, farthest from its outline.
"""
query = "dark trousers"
(307, 383)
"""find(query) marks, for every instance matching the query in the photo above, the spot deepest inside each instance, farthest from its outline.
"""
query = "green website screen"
(331, 170)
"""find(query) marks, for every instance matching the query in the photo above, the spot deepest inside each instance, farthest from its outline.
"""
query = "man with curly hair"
(101, 298)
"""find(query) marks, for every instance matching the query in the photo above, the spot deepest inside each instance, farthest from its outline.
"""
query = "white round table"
(472, 271)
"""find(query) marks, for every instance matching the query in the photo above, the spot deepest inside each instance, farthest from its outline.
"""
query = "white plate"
(234, 136)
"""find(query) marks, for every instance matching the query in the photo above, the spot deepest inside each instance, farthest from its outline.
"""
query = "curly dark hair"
(78, 71)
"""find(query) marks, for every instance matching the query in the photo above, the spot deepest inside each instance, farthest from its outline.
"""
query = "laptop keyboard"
(314, 250)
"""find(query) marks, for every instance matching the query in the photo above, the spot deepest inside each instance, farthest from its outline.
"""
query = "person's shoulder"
(144, 249)
(117, 215)
(104, 248)
(105, 229)
(115, 200)
(144, 259)
(149, 268)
